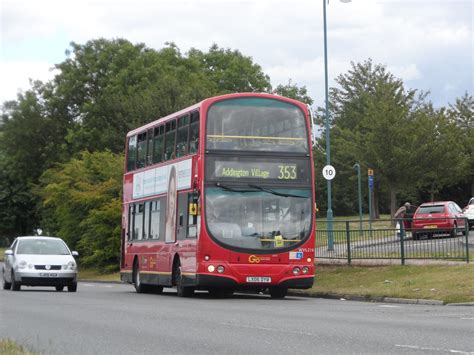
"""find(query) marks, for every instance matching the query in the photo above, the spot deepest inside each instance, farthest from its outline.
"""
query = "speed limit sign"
(329, 172)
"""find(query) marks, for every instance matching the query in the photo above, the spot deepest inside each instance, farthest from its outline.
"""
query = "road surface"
(106, 318)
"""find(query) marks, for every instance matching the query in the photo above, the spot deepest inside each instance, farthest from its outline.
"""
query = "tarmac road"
(103, 318)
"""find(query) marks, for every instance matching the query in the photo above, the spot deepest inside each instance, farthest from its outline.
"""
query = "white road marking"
(87, 285)
(467, 318)
(435, 349)
(268, 329)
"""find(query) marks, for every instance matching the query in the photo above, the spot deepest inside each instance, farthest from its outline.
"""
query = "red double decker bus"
(220, 197)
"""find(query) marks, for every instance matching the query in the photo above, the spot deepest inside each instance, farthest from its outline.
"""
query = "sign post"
(329, 173)
(359, 189)
(370, 173)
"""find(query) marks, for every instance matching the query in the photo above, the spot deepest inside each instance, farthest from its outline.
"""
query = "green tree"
(437, 149)
(372, 122)
(462, 114)
(293, 91)
(81, 203)
(30, 142)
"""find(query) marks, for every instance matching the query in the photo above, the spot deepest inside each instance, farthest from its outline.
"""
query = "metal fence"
(446, 239)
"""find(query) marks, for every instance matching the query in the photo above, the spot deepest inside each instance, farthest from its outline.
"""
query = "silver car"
(39, 261)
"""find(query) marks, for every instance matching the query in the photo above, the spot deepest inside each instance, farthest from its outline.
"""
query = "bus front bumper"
(207, 280)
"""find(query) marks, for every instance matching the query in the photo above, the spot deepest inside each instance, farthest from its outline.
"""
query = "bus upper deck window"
(158, 144)
(141, 150)
(170, 140)
(131, 153)
(182, 136)
(194, 133)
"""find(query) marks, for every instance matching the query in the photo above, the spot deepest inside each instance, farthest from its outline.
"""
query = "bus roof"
(199, 104)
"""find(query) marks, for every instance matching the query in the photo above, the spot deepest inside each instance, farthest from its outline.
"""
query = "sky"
(426, 43)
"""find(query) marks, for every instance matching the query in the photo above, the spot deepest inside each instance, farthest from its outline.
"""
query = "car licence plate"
(47, 274)
(431, 226)
(259, 279)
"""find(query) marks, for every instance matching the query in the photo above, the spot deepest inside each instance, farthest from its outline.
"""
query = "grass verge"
(450, 284)
(9, 347)
(91, 274)
(2, 254)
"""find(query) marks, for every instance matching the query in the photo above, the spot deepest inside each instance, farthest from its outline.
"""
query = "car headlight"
(22, 264)
(69, 266)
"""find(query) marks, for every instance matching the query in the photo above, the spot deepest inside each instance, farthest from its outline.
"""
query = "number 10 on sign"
(329, 172)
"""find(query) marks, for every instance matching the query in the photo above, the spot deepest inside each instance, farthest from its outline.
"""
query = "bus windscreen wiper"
(273, 192)
(228, 188)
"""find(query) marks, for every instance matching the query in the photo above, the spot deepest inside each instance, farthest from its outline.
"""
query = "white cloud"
(417, 40)
(16, 77)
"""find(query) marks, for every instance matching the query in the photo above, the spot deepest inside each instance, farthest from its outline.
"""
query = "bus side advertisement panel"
(155, 181)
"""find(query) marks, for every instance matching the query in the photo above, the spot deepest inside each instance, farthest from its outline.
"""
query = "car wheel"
(6, 285)
(278, 292)
(183, 291)
(59, 288)
(72, 287)
(15, 285)
(454, 231)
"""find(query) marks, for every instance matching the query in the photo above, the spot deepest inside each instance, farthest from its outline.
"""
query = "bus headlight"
(296, 270)
(211, 268)
(220, 269)
(305, 269)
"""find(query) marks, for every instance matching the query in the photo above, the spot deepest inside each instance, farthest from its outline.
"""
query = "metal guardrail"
(388, 239)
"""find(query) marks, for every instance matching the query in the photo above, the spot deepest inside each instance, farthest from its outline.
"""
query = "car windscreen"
(431, 209)
(42, 247)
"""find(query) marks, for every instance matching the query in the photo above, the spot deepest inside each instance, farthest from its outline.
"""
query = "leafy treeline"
(61, 142)
(418, 153)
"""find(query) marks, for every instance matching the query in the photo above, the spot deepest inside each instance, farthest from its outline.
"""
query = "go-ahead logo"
(254, 259)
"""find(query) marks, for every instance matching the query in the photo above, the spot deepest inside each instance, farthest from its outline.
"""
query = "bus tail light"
(220, 269)
(296, 270)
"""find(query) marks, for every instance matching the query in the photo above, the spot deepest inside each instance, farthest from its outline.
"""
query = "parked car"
(438, 218)
(469, 212)
(39, 261)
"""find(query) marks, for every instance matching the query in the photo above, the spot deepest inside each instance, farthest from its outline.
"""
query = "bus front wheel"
(278, 292)
(139, 287)
(183, 291)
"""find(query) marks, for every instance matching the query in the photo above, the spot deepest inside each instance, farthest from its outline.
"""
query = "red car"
(437, 218)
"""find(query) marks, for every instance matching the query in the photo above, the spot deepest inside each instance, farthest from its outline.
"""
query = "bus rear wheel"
(278, 292)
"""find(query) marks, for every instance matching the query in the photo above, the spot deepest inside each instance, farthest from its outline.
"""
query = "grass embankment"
(9, 347)
(2, 254)
(95, 275)
(450, 284)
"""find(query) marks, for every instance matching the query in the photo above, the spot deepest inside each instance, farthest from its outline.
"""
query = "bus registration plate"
(259, 279)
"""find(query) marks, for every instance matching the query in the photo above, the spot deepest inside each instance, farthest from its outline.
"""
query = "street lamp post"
(329, 215)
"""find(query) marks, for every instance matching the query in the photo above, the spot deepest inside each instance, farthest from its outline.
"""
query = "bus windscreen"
(256, 124)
